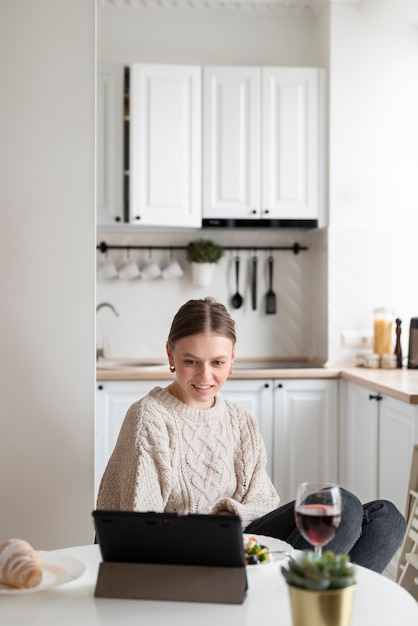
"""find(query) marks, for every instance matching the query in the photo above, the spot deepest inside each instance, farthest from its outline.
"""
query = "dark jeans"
(370, 533)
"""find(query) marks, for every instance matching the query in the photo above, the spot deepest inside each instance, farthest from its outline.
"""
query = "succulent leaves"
(328, 571)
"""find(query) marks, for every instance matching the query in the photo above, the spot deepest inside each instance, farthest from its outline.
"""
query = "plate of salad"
(262, 550)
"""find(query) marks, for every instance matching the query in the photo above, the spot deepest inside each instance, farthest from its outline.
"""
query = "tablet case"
(165, 556)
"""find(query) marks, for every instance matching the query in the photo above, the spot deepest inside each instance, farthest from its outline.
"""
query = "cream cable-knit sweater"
(171, 457)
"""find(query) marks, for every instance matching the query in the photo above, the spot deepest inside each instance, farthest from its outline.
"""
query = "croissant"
(19, 565)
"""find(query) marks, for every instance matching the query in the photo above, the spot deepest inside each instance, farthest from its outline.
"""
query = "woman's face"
(203, 363)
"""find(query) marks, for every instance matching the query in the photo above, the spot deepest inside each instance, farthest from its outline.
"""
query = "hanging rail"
(295, 248)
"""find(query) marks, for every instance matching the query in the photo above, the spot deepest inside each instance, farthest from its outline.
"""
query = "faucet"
(100, 351)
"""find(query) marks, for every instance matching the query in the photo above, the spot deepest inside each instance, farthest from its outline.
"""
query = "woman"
(185, 449)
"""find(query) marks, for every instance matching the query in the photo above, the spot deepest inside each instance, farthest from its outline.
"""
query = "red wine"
(318, 523)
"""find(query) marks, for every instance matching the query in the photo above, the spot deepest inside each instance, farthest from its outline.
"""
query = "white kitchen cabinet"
(297, 418)
(113, 399)
(165, 145)
(305, 433)
(257, 397)
(378, 433)
(263, 139)
(109, 176)
(231, 142)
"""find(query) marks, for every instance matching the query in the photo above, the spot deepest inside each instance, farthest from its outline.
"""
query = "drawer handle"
(376, 397)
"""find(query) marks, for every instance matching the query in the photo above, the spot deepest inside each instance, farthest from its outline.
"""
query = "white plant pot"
(203, 273)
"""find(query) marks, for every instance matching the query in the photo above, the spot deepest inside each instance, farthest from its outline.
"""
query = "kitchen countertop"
(397, 383)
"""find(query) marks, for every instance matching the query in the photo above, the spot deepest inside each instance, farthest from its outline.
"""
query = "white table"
(378, 600)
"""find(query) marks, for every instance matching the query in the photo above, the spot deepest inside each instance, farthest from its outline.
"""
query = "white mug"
(129, 270)
(172, 270)
(150, 270)
(107, 270)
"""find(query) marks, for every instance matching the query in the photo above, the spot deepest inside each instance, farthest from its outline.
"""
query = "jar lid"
(383, 310)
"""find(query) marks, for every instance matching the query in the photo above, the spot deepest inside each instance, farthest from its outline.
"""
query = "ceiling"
(288, 6)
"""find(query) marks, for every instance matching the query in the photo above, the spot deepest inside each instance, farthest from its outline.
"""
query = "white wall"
(47, 61)
(204, 37)
(217, 37)
(373, 252)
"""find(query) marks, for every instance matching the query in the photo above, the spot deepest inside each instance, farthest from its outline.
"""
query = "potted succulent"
(321, 588)
(203, 254)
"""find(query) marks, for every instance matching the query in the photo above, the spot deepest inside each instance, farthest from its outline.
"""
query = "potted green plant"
(203, 254)
(321, 588)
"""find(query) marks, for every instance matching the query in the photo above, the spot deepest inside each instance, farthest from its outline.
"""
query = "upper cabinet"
(262, 143)
(165, 145)
(109, 120)
(257, 134)
(231, 142)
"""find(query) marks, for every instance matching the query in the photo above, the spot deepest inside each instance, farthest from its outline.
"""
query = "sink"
(116, 364)
(276, 365)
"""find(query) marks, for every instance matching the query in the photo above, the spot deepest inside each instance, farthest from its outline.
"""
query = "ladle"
(237, 298)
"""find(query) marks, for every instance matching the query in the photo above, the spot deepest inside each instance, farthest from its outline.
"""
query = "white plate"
(274, 545)
(57, 569)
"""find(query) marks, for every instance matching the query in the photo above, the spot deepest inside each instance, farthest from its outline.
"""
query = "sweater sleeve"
(255, 494)
(138, 474)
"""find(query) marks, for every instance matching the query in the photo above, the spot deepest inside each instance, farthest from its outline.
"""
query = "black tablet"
(195, 539)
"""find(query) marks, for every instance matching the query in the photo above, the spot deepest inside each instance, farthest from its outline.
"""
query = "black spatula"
(270, 295)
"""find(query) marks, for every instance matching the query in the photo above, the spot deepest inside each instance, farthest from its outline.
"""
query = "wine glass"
(318, 509)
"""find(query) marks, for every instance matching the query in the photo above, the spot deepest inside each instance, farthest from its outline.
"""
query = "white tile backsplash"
(146, 308)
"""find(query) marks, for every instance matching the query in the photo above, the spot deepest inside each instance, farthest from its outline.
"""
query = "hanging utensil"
(254, 282)
(270, 295)
(237, 298)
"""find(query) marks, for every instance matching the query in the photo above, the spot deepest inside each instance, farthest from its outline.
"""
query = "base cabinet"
(113, 399)
(257, 397)
(305, 434)
(377, 435)
(297, 418)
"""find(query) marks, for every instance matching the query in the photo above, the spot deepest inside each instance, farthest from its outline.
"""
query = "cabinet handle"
(137, 217)
(279, 385)
(117, 219)
(254, 211)
(377, 397)
(266, 385)
(99, 387)
(266, 211)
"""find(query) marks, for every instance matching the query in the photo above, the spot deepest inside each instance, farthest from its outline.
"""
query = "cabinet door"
(398, 434)
(231, 140)
(109, 177)
(359, 437)
(290, 134)
(257, 397)
(113, 399)
(165, 145)
(305, 433)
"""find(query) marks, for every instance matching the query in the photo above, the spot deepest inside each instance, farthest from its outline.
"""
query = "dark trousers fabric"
(370, 533)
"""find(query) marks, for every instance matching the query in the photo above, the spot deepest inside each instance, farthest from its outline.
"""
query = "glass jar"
(383, 331)
(389, 361)
(371, 360)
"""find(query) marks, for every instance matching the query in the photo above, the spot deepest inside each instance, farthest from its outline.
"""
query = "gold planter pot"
(332, 607)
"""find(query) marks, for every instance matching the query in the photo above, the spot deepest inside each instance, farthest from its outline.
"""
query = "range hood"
(258, 223)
